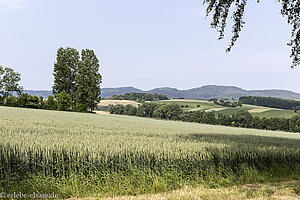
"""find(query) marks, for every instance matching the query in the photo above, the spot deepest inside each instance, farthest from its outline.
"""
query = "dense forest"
(271, 102)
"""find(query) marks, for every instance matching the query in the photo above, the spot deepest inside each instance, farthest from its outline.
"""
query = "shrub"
(51, 103)
(11, 101)
(64, 101)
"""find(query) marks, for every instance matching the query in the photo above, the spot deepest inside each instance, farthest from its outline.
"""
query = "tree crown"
(220, 10)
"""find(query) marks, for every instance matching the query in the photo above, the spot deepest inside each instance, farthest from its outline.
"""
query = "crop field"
(115, 102)
(103, 105)
(90, 155)
(205, 105)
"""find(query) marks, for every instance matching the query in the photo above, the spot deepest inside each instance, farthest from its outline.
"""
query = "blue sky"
(147, 44)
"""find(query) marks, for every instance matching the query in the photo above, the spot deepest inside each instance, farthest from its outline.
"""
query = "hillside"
(260, 111)
(204, 92)
(108, 92)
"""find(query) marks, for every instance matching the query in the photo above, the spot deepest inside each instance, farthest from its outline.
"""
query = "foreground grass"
(81, 155)
(279, 190)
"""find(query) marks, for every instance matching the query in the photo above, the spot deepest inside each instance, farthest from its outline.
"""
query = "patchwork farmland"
(260, 111)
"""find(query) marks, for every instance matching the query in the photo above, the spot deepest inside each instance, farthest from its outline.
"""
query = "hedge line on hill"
(139, 97)
(223, 102)
(241, 119)
(271, 102)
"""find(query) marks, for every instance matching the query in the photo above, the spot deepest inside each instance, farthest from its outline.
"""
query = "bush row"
(32, 101)
(223, 102)
(241, 119)
(61, 101)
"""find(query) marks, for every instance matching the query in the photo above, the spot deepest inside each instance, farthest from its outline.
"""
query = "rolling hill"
(204, 92)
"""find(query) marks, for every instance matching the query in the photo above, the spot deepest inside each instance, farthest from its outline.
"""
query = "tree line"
(76, 84)
(139, 97)
(271, 102)
(25, 100)
(241, 119)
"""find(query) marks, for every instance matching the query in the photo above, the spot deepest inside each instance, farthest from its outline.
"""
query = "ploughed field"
(89, 155)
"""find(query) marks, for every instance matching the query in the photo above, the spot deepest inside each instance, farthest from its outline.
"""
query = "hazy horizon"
(179, 88)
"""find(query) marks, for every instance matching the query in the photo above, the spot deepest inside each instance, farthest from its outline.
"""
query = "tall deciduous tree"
(88, 80)
(9, 82)
(220, 10)
(65, 71)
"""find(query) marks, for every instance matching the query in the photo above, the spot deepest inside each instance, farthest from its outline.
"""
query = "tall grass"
(77, 154)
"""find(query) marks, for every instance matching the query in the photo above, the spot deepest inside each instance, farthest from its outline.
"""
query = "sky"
(147, 43)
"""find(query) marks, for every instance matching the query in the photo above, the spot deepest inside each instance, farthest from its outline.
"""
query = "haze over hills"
(204, 92)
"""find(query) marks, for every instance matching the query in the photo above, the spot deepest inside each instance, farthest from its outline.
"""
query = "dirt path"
(102, 112)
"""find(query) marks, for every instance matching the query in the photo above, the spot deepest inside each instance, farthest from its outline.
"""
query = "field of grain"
(102, 107)
(83, 155)
(115, 102)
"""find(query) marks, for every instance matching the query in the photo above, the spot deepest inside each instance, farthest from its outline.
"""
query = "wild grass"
(80, 155)
(278, 190)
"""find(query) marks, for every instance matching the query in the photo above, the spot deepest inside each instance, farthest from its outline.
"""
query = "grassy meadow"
(90, 155)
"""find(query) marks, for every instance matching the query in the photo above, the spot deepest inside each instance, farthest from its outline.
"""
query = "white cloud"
(14, 4)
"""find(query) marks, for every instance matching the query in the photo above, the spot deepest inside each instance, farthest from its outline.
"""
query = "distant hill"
(108, 92)
(208, 92)
(204, 92)
(43, 93)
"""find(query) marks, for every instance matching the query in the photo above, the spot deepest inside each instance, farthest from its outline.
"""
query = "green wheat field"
(92, 155)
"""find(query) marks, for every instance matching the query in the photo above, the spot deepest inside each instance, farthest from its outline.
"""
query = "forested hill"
(204, 92)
